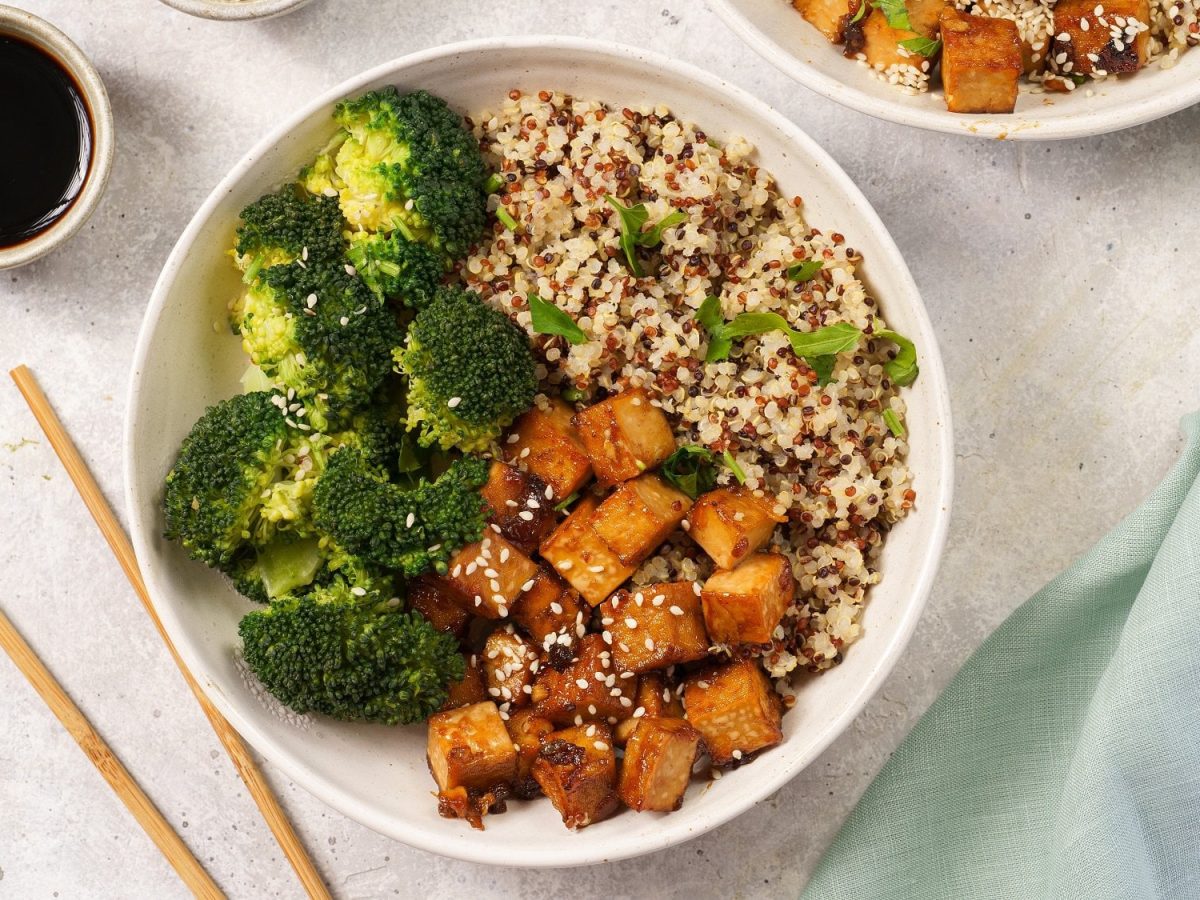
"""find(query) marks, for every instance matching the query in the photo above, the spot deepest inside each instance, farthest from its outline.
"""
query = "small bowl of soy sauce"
(56, 138)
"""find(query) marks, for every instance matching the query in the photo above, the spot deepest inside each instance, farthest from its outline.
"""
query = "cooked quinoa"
(824, 453)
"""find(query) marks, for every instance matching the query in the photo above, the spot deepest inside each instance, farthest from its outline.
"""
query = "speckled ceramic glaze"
(234, 10)
(183, 363)
(776, 30)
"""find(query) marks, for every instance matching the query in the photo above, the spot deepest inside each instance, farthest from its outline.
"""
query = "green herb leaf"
(692, 469)
(653, 237)
(709, 314)
(732, 463)
(827, 341)
(893, 422)
(823, 366)
(507, 220)
(896, 13)
(572, 394)
(903, 369)
(862, 11)
(494, 183)
(549, 319)
(562, 507)
(632, 220)
(922, 45)
(805, 271)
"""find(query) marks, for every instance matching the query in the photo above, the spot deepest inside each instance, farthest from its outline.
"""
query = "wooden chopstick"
(118, 541)
(198, 881)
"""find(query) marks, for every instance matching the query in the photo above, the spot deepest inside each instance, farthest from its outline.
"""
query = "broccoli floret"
(411, 529)
(321, 333)
(406, 163)
(470, 372)
(396, 268)
(287, 226)
(350, 653)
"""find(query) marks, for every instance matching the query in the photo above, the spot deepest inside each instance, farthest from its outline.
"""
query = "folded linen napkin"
(1063, 761)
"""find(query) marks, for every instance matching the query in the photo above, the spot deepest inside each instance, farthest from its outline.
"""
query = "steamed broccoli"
(348, 652)
(321, 333)
(396, 268)
(470, 371)
(406, 163)
(287, 226)
(412, 529)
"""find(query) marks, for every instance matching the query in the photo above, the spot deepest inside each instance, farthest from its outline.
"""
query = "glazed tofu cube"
(624, 436)
(528, 730)
(472, 688)
(658, 764)
(509, 662)
(577, 770)
(437, 601)
(655, 626)
(731, 523)
(654, 698)
(548, 445)
(827, 16)
(638, 516)
(735, 710)
(550, 606)
(522, 505)
(743, 605)
(981, 62)
(1091, 47)
(579, 555)
(490, 575)
(872, 38)
(588, 686)
(470, 748)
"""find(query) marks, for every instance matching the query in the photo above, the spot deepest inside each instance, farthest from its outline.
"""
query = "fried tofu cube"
(528, 730)
(624, 436)
(827, 16)
(471, 688)
(654, 698)
(638, 516)
(548, 445)
(743, 605)
(1091, 48)
(735, 709)
(470, 748)
(522, 505)
(588, 687)
(550, 606)
(490, 575)
(881, 45)
(731, 523)
(655, 626)
(437, 601)
(579, 555)
(981, 62)
(577, 770)
(509, 662)
(658, 764)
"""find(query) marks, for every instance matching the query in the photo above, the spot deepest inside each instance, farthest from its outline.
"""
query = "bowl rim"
(939, 506)
(1001, 126)
(227, 11)
(36, 30)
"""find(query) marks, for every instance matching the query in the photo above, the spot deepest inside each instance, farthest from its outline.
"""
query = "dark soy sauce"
(45, 140)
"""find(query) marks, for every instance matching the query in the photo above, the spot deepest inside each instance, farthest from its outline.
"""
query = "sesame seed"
(504, 554)
(527, 586)
(581, 683)
(494, 692)
(311, 300)
(600, 745)
(344, 320)
(737, 754)
(639, 712)
(625, 701)
(491, 573)
(631, 622)
(528, 517)
(555, 607)
(409, 520)
(453, 402)
(596, 569)
(676, 611)
(512, 439)
(549, 493)
(350, 270)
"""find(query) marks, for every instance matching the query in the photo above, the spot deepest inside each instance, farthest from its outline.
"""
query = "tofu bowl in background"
(186, 360)
(777, 31)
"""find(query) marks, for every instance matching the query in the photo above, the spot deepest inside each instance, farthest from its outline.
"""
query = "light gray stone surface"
(1061, 279)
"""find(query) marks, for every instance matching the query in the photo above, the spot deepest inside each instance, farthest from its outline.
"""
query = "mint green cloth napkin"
(1063, 761)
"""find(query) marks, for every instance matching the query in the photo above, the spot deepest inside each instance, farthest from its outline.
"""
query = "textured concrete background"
(1061, 279)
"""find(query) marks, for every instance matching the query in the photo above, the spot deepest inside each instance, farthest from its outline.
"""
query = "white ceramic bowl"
(235, 10)
(776, 30)
(376, 774)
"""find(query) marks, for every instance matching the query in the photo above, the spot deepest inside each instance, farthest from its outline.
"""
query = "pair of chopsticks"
(118, 778)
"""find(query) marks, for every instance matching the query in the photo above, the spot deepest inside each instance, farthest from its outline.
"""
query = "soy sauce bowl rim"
(19, 24)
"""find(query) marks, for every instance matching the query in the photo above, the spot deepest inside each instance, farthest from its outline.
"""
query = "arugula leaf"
(507, 220)
(896, 13)
(632, 220)
(709, 313)
(823, 366)
(806, 270)
(893, 422)
(737, 471)
(653, 237)
(494, 183)
(902, 370)
(827, 341)
(922, 45)
(692, 469)
(549, 319)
